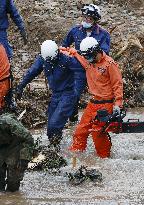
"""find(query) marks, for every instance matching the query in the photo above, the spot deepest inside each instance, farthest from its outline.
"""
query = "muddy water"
(123, 176)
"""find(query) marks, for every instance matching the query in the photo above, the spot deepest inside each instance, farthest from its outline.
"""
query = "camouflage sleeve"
(22, 137)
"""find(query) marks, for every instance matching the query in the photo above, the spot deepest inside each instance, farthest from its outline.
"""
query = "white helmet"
(91, 10)
(49, 50)
(88, 45)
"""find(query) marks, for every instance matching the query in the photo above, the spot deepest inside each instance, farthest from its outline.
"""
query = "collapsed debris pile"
(136, 4)
(51, 19)
(47, 159)
(131, 61)
(35, 103)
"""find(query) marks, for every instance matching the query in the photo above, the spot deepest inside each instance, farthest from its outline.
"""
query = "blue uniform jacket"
(8, 7)
(78, 33)
(60, 76)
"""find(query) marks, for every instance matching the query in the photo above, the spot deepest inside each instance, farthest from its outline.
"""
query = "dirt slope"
(51, 19)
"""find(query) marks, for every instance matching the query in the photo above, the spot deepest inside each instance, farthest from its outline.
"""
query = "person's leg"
(15, 169)
(5, 43)
(9, 98)
(59, 116)
(102, 144)
(74, 116)
(54, 135)
(102, 141)
(80, 84)
(2, 177)
(4, 88)
(14, 176)
(83, 129)
(55, 98)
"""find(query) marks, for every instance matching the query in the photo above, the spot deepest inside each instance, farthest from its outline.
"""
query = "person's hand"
(24, 36)
(13, 105)
(22, 164)
(18, 93)
(72, 51)
(116, 110)
(63, 48)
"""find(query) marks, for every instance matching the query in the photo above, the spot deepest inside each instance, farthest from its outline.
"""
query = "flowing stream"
(123, 175)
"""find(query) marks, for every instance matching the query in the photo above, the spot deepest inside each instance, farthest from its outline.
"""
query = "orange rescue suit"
(105, 83)
(4, 76)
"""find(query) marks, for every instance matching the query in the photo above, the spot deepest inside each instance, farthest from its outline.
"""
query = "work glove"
(24, 36)
(116, 110)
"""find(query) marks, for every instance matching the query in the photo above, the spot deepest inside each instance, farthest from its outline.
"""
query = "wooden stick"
(21, 115)
(112, 29)
(74, 162)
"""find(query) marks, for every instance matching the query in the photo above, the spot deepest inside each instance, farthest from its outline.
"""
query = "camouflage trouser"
(2, 177)
(10, 177)
(11, 168)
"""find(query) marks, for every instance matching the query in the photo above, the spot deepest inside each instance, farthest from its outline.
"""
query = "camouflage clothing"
(16, 147)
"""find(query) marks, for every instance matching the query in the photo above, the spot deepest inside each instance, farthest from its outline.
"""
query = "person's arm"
(84, 63)
(79, 76)
(21, 137)
(69, 40)
(116, 83)
(105, 43)
(16, 17)
(75, 65)
(31, 73)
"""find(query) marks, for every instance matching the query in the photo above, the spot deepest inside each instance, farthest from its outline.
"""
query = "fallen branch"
(38, 123)
(121, 51)
(21, 115)
(132, 40)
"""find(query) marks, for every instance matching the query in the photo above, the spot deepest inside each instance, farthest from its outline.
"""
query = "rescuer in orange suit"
(4, 76)
(106, 88)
